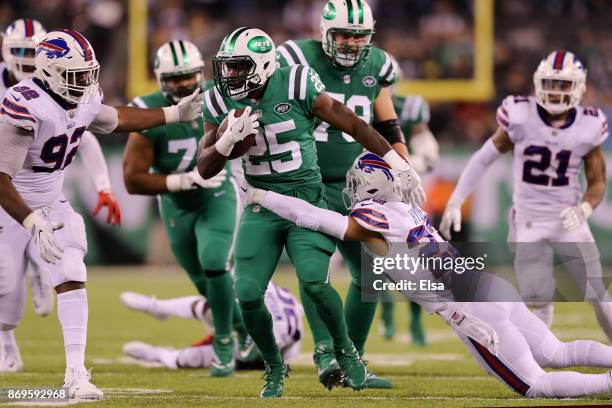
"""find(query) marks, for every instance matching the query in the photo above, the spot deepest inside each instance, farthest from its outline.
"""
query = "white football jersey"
(547, 160)
(402, 225)
(58, 127)
(287, 315)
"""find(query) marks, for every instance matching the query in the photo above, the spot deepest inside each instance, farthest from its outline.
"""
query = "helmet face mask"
(179, 69)
(19, 46)
(349, 47)
(178, 86)
(81, 85)
(560, 82)
(245, 61)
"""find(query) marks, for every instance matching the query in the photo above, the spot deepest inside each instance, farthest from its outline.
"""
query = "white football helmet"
(176, 59)
(370, 177)
(352, 17)
(18, 46)
(560, 82)
(245, 61)
(67, 64)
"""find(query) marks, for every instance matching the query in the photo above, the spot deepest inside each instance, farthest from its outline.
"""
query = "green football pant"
(359, 315)
(262, 236)
(201, 241)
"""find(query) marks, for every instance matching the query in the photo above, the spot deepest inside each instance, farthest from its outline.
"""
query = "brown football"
(241, 147)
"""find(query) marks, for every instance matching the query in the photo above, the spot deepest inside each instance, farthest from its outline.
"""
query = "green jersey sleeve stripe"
(298, 82)
(220, 101)
(303, 77)
(285, 54)
(174, 57)
(292, 46)
(209, 104)
(387, 69)
(138, 102)
(292, 82)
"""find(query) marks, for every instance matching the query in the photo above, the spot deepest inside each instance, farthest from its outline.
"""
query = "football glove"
(450, 217)
(409, 180)
(187, 110)
(192, 180)
(107, 199)
(237, 129)
(478, 330)
(42, 231)
(424, 151)
(574, 217)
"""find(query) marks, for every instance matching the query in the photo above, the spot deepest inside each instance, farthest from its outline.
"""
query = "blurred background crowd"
(432, 39)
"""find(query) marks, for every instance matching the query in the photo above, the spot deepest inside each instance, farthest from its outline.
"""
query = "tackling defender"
(18, 46)
(286, 314)
(286, 102)
(199, 215)
(505, 338)
(550, 135)
(43, 120)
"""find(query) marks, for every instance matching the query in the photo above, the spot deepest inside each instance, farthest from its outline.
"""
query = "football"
(241, 147)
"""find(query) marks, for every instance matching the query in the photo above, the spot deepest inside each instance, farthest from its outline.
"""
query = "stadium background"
(464, 56)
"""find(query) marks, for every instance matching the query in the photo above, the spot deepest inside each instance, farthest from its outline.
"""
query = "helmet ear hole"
(266, 65)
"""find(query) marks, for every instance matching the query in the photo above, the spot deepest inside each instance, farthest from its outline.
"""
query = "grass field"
(441, 375)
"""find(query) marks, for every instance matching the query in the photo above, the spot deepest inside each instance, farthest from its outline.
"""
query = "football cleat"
(249, 352)
(376, 382)
(274, 376)
(43, 297)
(140, 351)
(224, 364)
(330, 374)
(79, 386)
(142, 303)
(352, 366)
(11, 363)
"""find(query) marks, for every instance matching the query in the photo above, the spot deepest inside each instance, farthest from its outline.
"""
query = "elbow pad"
(390, 130)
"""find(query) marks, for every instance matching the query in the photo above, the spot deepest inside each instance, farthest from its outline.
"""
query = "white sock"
(180, 307)
(603, 312)
(72, 312)
(8, 345)
(582, 353)
(568, 384)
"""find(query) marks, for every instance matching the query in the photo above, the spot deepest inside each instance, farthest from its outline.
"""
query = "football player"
(286, 102)
(505, 338)
(43, 119)
(18, 46)
(358, 75)
(286, 314)
(199, 215)
(550, 136)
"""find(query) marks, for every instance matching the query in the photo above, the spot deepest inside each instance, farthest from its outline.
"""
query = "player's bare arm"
(387, 123)
(210, 161)
(595, 171)
(502, 141)
(137, 160)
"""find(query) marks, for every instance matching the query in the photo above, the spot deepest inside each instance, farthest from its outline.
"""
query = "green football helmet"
(176, 59)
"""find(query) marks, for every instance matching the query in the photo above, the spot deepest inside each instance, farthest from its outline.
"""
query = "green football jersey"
(411, 110)
(284, 155)
(356, 88)
(175, 146)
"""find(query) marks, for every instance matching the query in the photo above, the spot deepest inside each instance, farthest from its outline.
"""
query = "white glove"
(472, 327)
(187, 110)
(424, 151)
(251, 195)
(192, 180)
(451, 216)
(411, 187)
(237, 129)
(573, 217)
(42, 230)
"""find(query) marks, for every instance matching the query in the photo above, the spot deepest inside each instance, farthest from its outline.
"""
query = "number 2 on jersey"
(543, 163)
(54, 151)
(267, 142)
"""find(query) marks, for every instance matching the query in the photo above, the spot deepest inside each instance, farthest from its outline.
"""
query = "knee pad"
(550, 352)
(213, 250)
(12, 306)
(7, 326)
(248, 290)
(70, 269)
(316, 291)
(251, 304)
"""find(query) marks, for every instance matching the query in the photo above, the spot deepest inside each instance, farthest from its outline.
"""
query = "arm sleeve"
(14, 145)
(214, 109)
(306, 215)
(305, 86)
(386, 74)
(283, 58)
(105, 121)
(94, 162)
(475, 169)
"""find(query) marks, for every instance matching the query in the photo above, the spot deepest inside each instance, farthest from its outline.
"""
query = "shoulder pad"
(17, 107)
(597, 123)
(512, 111)
(385, 67)
(292, 53)
(371, 215)
(214, 103)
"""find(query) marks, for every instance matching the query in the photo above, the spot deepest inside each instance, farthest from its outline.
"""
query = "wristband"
(224, 146)
(587, 209)
(171, 114)
(174, 182)
(31, 220)
(396, 161)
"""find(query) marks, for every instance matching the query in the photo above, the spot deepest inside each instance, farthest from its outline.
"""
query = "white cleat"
(11, 363)
(43, 297)
(142, 303)
(140, 351)
(79, 387)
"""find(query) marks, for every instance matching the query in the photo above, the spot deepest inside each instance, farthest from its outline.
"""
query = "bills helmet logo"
(372, 162)
(55, 48)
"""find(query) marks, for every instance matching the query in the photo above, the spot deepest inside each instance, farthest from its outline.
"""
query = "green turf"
(442, 374)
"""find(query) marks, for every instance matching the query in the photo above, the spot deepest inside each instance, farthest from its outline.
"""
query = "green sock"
(220, 290)
(329, 308)
(238, 323)
(359, 316)
(387, 308)
(320, 334)
(258, 322)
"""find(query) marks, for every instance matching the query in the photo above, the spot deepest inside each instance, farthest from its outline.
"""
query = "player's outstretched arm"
(131, 119)
(478, 164)
(595, 171)
(95, 165)
(387, 123)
